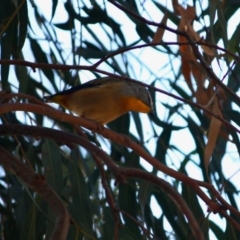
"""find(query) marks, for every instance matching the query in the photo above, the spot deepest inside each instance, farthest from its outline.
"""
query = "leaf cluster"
(140, 177)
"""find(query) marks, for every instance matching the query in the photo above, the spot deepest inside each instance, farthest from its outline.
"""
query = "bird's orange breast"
(134, 104)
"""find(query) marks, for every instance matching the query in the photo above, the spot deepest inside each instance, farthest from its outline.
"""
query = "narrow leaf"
(51, 158)
(157, 38)
(29, 226)
(214, 129)
(80, 206)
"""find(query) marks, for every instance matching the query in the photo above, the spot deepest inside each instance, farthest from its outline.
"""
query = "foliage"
(140, 177)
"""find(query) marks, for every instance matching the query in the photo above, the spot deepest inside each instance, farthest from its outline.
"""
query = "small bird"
(104, 99)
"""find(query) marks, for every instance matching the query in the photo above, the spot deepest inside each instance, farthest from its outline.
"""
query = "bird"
(104, 99)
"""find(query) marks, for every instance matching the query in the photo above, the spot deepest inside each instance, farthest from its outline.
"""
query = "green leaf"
(192, 201)
(90, 51)
(158, 228)
(231, 233)
(67, 26)
(20, 28)
(6, 40)
(218, 232)
(50, 223)
(51, 158)
(163, 144)
(54, 7)
(127, 202)
(144, 194)
(10, 230)
(29, 225)
(102, 17)
(108, 225)
(40, 57)
(234, 41)
(171, 15)
(121, 124)
(173, 215)
(231, 190)
(75, 233)
(80, 207)
(138, 123)
(198, 137)
(23, 211)
(212, 15)
(22, 75)
(222, 23)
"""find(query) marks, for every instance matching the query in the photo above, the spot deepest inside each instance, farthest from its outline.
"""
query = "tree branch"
(119, 172)
(46, 110)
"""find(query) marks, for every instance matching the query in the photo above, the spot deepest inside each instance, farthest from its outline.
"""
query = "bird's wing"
(91, 84)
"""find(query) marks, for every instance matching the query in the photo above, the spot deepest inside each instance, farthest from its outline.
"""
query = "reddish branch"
(125, 141)
(127, 49)
(93, 68)
(196, 105)
(119, 172)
